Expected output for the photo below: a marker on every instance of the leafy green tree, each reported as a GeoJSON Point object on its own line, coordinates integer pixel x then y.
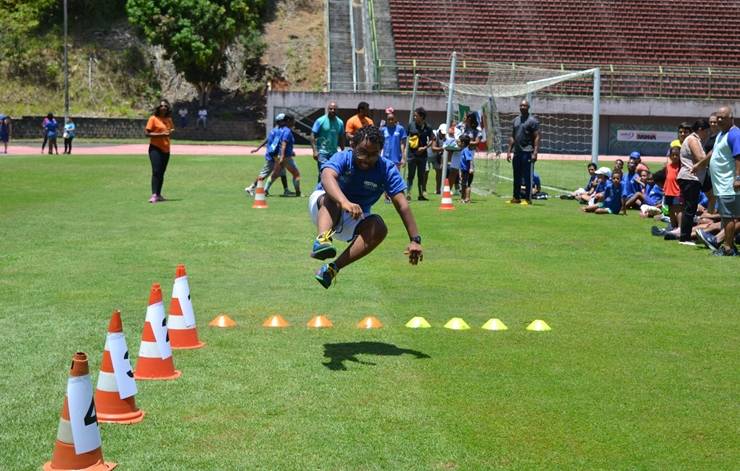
{"type": "Point", "coordinates": [195, 34]}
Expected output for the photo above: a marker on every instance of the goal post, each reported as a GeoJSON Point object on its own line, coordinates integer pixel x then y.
{"type": "Point", "coordinates": [564, 136]}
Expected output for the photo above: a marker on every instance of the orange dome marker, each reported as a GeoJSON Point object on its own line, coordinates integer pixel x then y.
{"type": "Point", "coordinates": [181, 323]}
{"type": "Point", "coordinates": [65, 456]}
{"type": "Point", "coordinates": [445, 203]}
{"type": "Point", "coordinates": [155, 353]}
{"type": "Point", "coordinates": [275, 321]}
{"type": "Point", "coordinates": [116, 403]}
{"type": "Point", "coordinates": [370, 322]}
{"type": "Point", "coordinates": [222, 320]}
{"type": "Point", "coordinates": [260, 202]}
{"type": "Point", "coordinates": [320, 322]}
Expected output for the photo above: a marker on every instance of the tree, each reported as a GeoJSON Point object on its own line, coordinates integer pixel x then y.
{"type": "Point", "coordinates": [195, 34]}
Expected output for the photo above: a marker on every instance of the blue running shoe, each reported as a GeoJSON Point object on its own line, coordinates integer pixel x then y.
{"type": "Point", "coordinates": [326, 274]}
{"type": "Point", "coordinates": [322, 246]}
{"type": "Point", "coordinates": [709, 240]}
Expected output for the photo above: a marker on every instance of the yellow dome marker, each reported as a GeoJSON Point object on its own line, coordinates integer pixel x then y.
{"type": "Point", "coordinates": [418, 323]}
{"type": "Point", "coordinates": [538, 326]}
{"type": "Point", "coordinates": [456, 323]}
{"type": "Point", "coordinates": [494, 324]}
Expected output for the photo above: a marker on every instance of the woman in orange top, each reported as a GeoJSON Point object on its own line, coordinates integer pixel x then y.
{"type": "Point", "coordinates": [158, 130]}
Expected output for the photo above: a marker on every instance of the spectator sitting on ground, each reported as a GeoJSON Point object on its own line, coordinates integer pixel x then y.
{"type": "Point", "coordinates": [611, 199]}
{"type": "Point", "coordinates": [602, 178]}
{"type": "Point", "coordinates": [653, 195]}
{"type": "Point", "coordinates": [628, 180]}
{"type": "Point", "coordinates": [639, 188]}
{"type": "Point", "coordinates": [586, 188]}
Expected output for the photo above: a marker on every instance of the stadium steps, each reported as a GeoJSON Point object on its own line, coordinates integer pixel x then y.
{"type": "Point", "coordinates": [340, 55]}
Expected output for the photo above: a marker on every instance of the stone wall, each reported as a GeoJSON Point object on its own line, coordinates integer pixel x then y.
{"type": "Point", "coordinates": [218, 129]}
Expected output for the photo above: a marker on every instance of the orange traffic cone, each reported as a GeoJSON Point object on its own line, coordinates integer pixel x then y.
{"type": "Point", "coordinates": [275, 321]}
{"type": "Point", "coordinates": [181, 323]}
{"type": "Point", "coordinates": [155, 354]}
{"type": "Point", "coordinates": [222, 320]}
{"type": "Point", "coordinates": [259, 195]}
{"type": "Point", "coordinates": [445, 203]}
{"type": "Point", "coordinates": [78, 443]}
{"type": "Point", "coordinates": [370, 322]}
{"type": "Point", "coordinates": [320, 322]}
{"type": "Point", "coordinates": [114, 394]}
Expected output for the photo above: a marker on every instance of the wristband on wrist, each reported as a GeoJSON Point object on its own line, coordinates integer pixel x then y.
{"type": "Point", "coordinates": [416, 238]}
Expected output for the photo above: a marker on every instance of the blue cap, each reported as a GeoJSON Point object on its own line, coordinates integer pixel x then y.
{"type": "Point", "coordinates": [635, 155]}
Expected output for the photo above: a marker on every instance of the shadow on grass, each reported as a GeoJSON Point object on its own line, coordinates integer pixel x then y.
{"type": "Point", "coordinates": [338, 353]}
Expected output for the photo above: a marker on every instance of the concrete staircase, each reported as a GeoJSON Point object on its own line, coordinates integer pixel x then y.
{"type": "Point", "coordinates": [388, 78]}
{"type": "Point", "coordinates": [340, 49]}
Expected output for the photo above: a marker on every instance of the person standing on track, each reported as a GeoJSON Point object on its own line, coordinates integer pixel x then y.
{"type": "Point", "coordinates": [158, 129]}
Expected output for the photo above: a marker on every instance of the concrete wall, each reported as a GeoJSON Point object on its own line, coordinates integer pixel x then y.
{"type": "Point", "coordinates": [653, 115]}
{"type": "Point", "coordinates": [29, 127]}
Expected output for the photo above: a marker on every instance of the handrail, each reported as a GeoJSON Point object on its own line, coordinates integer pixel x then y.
{"type": "Point", "coordinates": [374, 43]}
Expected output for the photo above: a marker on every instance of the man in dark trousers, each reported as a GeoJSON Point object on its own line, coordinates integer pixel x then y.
{"type": "Point", "coordinates": [525, 143]}
{"type": "Point", "coordinates": [420, 139]}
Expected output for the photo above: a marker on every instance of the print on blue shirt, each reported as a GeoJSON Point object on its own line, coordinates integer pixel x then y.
{"type": "Point", "coordinates": [364, 187]}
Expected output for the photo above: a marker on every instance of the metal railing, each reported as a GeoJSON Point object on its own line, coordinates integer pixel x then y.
{"type": "Point", "coordinates": [618, 80]}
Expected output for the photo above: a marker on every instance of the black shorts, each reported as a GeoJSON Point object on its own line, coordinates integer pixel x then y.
{"type": "Point", "coordinates": [466, 179]}
{"type": "Point", "coordinates": [706, 186]}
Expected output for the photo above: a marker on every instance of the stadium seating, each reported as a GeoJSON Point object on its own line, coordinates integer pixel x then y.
{"type": "Point", "coordinates": [639, 39]}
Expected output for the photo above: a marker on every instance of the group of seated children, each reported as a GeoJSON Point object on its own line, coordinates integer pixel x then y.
{"type": "Point", "coordinates": [609, 191]}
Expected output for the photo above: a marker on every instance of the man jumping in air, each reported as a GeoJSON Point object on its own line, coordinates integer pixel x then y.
{"type": "Point", "coordinates": [351, 182]}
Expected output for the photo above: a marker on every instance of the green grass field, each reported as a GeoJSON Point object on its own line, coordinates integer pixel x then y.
{"type": "Point", "coordinates": [638, 372]}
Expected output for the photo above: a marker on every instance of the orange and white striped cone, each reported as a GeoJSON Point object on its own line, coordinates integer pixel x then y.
{"type": "Point", "coordinates": [181, 323]}
{"type": "Point", "coordinates": [155, 353]}
{"type": "Point", "coordinates": [446, 203]}
{"type": "Point", "coordinates": [116, 390]}
{"type": "Point", "coordinates": [260, 202]}
{"type": "Point", "coordinates": [78, 445]}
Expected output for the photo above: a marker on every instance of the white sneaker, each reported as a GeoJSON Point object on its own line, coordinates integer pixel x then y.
{"type": "Point", "coordinates": [249, 190]}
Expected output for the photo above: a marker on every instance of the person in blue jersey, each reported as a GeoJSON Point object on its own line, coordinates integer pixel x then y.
{"type": "Point", "coordinates": [612, 201]}
{"type": "Point", "coordinates": [5, 131]}
{"type": "Point", "coordinates": [628, 180]}
{"type": "Point", "coordinates": [271, 142]}
{"type": "Point", "coordinates": [394, 141]}
{"type": "Point", "coordinates": [351, 182]}
{"type": "Point", "coordinates": [653, 195]}
{"type": "Point", "coordinates": [327, 134]}
{"type": "Point", "coordinates": [467, 169]}
{"type": "Point", "coordinates": [639, 190]}
{"type": "Point", "coordinates": [70, 130]}
{"type": "Point", "coordinates": [285, 154]}
{"type": "Point", "coordinates": [52, 129]}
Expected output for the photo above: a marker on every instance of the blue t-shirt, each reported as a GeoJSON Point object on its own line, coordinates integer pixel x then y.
{"type": "Point", "coordinates": [69, 128]}
{"type": "Point", "coordinates": [51, 128]}
{"type": "Point", "coordinates": [654, 195]}
{"type": "Point", "coordinates": [628, 185]}
{"type": "Point", "coordinates": [591, 182]}
{"type": "Point", "coordinates": [273, 144]}
{"type": "Point", "coordinates": [601, 186]}
{"type": "Point", "coordinates": [327, 132]}
{"type": "Point", "coordinates": [466, 159]}
{"type": "Point", "coordinates": [722, 166]}
{"type": "Point", "coordinates": [286, 135]}
{"type": "Point", "coordinates": [364, 187]}
{"type": "Point", "coordinates": [703, 199]}
{"type": "Point", "coordinates": [392, 145]}
{"type": "Point", "coordinates": [613, 197]}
